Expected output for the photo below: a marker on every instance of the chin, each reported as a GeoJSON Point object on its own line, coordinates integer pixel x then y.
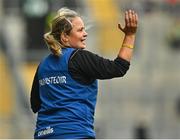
{"type": "Point", "coordinates": [82, 46]}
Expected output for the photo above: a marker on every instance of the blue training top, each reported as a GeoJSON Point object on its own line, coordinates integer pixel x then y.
{"type": "Point", "coordinates": [67, 108]}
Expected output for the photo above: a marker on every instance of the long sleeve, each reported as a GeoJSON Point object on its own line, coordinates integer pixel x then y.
{"type": "Point", "coordinates": [34, 97]}
{"type": "Point", "coordinates": [86, 66]}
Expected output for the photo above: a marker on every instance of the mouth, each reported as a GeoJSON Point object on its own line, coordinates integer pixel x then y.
{"type": "Point", "coordinates": [83, 41]}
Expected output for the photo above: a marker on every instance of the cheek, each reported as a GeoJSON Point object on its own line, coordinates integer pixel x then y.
{"type": "Point", "coordinates": [74, 40]}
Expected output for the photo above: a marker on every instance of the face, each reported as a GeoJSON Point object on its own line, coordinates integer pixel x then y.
{"type": "Point", "coordinates": [77, 36]}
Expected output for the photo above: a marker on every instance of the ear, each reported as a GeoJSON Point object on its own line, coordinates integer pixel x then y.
{"type": "Point", "coordinates": [64, 38]}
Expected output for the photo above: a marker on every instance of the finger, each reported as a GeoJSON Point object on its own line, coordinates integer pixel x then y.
{"type": "Point", "coordinates": [133, 19]}
{"type": "Point", "coordinates": [136, 19]}
{"type": "Point", "coordinates": [127, 22]}
{"type": "Point", "coordinates": [130, 14]}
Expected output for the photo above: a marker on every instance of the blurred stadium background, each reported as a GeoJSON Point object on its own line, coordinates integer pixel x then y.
{"type": "Point", "coordinates": [143, 104]}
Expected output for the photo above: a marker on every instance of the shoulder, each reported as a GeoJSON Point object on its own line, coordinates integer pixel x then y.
{"type": "Point", "coordinates": [79, 66]}
{"type": "Point", "coordinates": [44, 59]}
{"type": "Point", "coordinates": [82, 55]}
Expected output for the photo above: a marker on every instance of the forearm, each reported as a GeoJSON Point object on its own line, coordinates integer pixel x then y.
{"type": "Point", "coordinates": [131, 21]}
{"type": "Point", "coordinates": [126, 52]}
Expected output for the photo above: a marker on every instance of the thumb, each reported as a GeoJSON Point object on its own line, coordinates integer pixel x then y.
{"type": "Point", "coordinates": [119, 26]}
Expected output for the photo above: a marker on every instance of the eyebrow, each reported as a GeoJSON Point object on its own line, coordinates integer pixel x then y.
{"type": "Point", "coordinates": [80, 27]}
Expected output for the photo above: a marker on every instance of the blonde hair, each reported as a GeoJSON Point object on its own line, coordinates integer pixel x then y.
{"type": "Point", "coordinates": [61, 23]}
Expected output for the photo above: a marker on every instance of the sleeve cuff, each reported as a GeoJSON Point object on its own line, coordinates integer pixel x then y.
{"type": "Point", "coordinates": [122, 61]}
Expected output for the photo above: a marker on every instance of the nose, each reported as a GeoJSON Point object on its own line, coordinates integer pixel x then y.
{"type": "Point", "coordinates": [85, 34]}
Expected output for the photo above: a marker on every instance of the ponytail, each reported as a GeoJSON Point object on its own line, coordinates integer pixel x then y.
{"type": "Point", "coordinates": [53, 44]}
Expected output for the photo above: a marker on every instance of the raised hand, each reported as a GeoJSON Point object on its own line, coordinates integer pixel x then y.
{"type": "Point", "coordinates": [131, 23]}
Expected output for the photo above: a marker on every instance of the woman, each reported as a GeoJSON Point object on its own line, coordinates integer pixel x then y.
{"type": "Point", "coordinates": [64, 89]}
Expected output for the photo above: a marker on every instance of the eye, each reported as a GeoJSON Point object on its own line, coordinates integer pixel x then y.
{"type": "Point", "coordinates": [81, 29]}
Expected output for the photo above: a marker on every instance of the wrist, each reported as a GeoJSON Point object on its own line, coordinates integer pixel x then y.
{"type": "Point", "coordinates": [129, 39]}
{"type": "Point", "coordinates": [131, 36]}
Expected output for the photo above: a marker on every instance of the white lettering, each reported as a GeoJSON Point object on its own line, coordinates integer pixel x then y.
{"type": "Point", "coordinates": [47, 130]}
{"type": "Point", "coordinates": [52, 80]}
